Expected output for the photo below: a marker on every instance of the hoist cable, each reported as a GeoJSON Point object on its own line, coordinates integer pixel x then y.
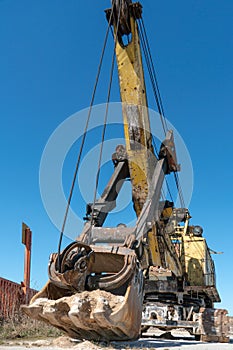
{"type": "Point", "coordinates": [154, 84]}
{"type": "Point", "coordinates": [84, 136]}
{"type": "Point", "coordinates": [102, 141]}
{"type": "Point", "coordinates": [180, 192]}
{"type": "Point", "coordinates": [157, 95]}
{"type": "Point", "coordinates": [150, 71]}
{"type": "Point", "coordinates": [152, 77]}
{"type": "Point", "coordinates": [169, 191]}
{"type": "Point", "coordinates": [106, 116]}
{"type": "Point", "coordinates": [154, 73]}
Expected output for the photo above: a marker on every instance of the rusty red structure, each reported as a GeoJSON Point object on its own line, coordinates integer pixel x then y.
{"type": "Point", "coordinates": [13, 294]}
{"type": "Point", "coordinates": [11, 297]}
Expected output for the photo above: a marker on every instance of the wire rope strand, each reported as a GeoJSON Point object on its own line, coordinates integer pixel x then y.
{"type": "Point", "coordinates": [154, 81]}
{"type": "Point", "coordinates": [105, 117]}
{"type": "Point", "coordinates": [180, 192]}
{"type": "Point", "coordinates": [169, 190]}
{"type": "Point", "coordinates": [154, 73]}
{"type": "Point", "coordinates": [150, 71]}
{"type": "Point", "coordinates": [84, 136]}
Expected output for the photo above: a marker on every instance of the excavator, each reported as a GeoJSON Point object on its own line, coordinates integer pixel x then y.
{"type": "Point", "coordinates": [113, 283]}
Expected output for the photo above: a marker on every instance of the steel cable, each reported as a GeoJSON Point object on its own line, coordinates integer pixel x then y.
{"type": "Point", "coordinates": [84, 136]}
{"type": "Point", "coordinates": [106, 116]}
{"type": "Point", "coordinates": [152, 73]}
{"type": "Point", "coordinates": [179, 188]}
{"type": "Point", "coordinates": [157, 95]}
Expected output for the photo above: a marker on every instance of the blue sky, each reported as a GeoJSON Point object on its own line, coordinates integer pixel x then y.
{"type": "Point", "coordinates": [49, 56]}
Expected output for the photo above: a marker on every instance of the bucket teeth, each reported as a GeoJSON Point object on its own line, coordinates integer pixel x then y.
{"type": "Point", "coordinates": [86, 315]}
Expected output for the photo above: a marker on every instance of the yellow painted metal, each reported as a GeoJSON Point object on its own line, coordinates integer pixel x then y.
{"type": "Point", "coordinates": [197, 263]}
{"type": "Point", "coordinates": [171, 257]}
{"type": "Point", "coordinates": [194, 259]}
{"type": "Point", "coordinates": [140, 153]}
{"type": "Point", "coordinates": [135, 116]}
{"type": "Point", "coordinates": [167, 212]}
{"type": "Point", "coordinates": [154, 248]}
{"type": "Point", "coordinates": [171, 262]}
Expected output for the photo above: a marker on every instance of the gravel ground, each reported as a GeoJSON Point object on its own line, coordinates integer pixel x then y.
{"type": "Point", "coordinates": [143, 343]}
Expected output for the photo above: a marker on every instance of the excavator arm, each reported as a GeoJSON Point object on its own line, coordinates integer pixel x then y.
{"type": "Point", "coordinates": [138, 139]}
{"type": "Point", "coordinates": [146, 171]}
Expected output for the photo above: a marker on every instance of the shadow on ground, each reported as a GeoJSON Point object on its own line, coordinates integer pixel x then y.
{"type": "Point", "coordinates": [152, 343]}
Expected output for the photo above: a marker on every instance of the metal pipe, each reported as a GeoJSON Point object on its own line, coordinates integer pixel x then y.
{"type": "Point", "coordinates": [27, 241]}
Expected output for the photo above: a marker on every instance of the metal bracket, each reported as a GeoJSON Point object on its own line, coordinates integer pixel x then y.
{"type": "Point", "coordinates": [168, 151]}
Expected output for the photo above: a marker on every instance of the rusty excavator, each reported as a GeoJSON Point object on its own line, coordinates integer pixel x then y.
{"type": "Point", "coordinates": [113, 283]}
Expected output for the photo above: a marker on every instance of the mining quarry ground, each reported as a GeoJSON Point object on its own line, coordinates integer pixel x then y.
{"type": "Point", "coordinates": [150, 342]}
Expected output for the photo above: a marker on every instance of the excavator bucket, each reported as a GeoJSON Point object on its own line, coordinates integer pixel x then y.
{"type": "Point", "coordinates": [96, 295]}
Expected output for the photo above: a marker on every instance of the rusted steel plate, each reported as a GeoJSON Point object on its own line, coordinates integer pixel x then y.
{"type": "Point", "coordinates": [11, 297]}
